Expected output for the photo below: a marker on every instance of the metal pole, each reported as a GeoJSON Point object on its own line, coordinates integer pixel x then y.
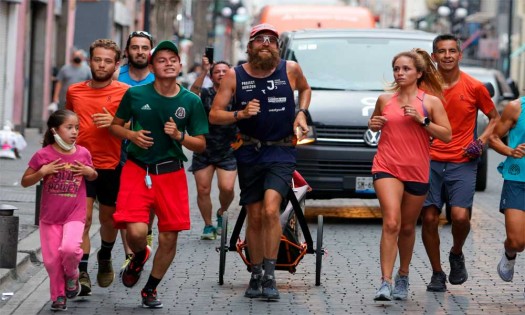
{"type": "Point", "coordinates": [147, 10]}
{"type": "Point", "coordinates": [509, 40]}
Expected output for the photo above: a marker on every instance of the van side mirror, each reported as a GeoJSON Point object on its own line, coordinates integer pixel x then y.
{"type": "Point", "coordinates": [490, 88]}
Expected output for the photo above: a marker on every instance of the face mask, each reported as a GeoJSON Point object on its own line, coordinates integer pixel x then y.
{"type": "Point", "coordinates": [61, 143]}
{"type": "Point", "coordinates": [77, 60]}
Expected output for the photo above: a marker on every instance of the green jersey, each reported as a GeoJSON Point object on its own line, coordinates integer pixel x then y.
{"type": "Point", "coordinates": [150, 111]}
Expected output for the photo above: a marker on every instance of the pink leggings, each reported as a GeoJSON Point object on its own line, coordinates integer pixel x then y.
{"type": "Point", "coordinates": [61, 253]}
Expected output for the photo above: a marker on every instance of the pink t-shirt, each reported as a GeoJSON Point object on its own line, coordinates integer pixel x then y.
{"type": "Point", "coordinates": [63, 194]}
{"type": "Point", "coordinates": [404, 146]}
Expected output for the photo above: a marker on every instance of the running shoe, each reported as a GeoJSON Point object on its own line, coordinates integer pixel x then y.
{"type": "Point", "coordinates": [72, 287]}
{"type": "Point", "coordinates": [269, 288]}
{"type": "Point", "coordinates": [209, 233]}
{"type": "Point", "coordinates": [149, 299]}
{"type": "Point", "coordinates": [384, 293]}
{"type": "Point", "coordinates": [105, 275]}
{"type": "Point", "coordinates": [130, 275]}
{"type": "Point", "coordinates": [219, 223]}
{"type": "Point", "coordinates": [85, 284]}
{"type": "Point", "coordinates": [401, 285]}
{"type": "Point", "coordinates": [254, 289]}
{"type": "Point", "coordinates": [438, 282]}
{"type": "Point", "coordinates": [506, 268]}
{"type": "Point", "coordinates": [458, 272]}
{"type": "Point", "coordinates": [59, 304]}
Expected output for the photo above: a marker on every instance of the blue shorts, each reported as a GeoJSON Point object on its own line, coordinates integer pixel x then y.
{"type": "Point", "coordinates": [454, 183]}
{"type": "Point", "coordinates": [254, 180]}
{"type": "Point", "coordinates": [512, 196]}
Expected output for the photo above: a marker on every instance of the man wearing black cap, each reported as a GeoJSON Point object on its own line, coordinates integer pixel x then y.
{"type": "Point", "coordinates": [265, 112]}
{"type": "Point", "coordinates": [166, 116]}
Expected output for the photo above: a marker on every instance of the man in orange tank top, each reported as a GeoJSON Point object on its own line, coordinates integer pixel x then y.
{"type": "Point", "coordinates": [453, 172]}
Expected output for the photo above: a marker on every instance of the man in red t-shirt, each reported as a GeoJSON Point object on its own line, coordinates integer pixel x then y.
{"type": "Point", "coordinates": [453, 172]}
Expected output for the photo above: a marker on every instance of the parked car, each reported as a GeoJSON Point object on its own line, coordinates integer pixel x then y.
{"type": "Point", "coordinates": [347, 70]}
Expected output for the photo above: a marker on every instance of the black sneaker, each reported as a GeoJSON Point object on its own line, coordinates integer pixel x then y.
{"type": "Point", "coordinates": [438, 282]}
{"type": "Point", "coordinates": [254, 289]}
{"type": "Point", "coordinates": [59, 304]}
{"type": "Point", "coordinates": [130, 275]}
{"type": "Point", "coordinates": [85, 284]}
{"type": "Point", "coordinates": [269, 288]}
{"type": "Point", "coordinates": [149, 299]}
{"type": "Point", "coordinates": [458, 272]}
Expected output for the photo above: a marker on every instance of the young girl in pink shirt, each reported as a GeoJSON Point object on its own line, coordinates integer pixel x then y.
{"type": "Point", "coordinates": [62, 165]}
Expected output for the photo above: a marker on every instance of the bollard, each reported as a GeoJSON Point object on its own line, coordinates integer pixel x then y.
{"type": "Point", "coordinates": [8, 236]}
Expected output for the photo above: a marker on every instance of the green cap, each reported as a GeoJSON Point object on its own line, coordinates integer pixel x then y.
{"type": "Point", "coordinates": [164, 45]}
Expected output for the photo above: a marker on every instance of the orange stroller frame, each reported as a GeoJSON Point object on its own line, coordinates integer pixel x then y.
{"type": "Point", "coordinates": [290, 252]}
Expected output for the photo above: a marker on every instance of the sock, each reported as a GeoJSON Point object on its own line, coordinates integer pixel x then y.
{"type": "Point", "coordinates": [105, 250]}
{"type": "Point", "coordinates": [269, 267]}
{"type": "Point", "coordinates": [83, 265]}
{"type": "Point", "coordinates": [152, 283]}
{"type": "Point", "coordinates": [140, 256]}
{"type": "Point", "coordinates": [510, 258]}
{"type": "Point", "coordinates": [257, 269]}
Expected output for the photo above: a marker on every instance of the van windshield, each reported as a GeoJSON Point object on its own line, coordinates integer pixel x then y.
{"type": "Point", "coordinates": [358, 64]}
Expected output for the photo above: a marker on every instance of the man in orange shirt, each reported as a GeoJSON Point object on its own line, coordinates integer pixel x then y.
{"type": "Point", "coordinates": [95, 102]}
{"type": "Point", "coordinates": [452, 169]}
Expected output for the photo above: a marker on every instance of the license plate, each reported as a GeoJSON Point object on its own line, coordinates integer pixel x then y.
{"type": "Point", "coordinates": [364, 185]}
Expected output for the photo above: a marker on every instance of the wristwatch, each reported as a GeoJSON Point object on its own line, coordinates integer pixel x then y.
{"type": "Point", "coordinates": [426, 122]}
{"type": "Point", "coordinates": [182, 135]}
{"type": "Point", "coordinates": [305, 111]}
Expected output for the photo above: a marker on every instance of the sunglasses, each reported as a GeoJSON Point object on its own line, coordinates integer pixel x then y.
{"type": "Point", "coordinates": [140, 34]}
{"type": "Point", "coordinates": [265, 39]}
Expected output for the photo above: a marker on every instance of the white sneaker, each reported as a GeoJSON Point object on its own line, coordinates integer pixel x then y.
{"type": "Point", "coordinates": [506, 268]}
{"type": "Point", "coordinates": [384, 293]}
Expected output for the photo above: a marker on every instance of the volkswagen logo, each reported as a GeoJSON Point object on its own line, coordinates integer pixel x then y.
{"type": "Point", "coordinates": [371, 137]}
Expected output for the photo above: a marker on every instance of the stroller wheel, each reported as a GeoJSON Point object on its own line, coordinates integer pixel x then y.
{"type": "Point", "coordinates": [319, 250]}
{"type": "Point", "coordinates": [224, 248]}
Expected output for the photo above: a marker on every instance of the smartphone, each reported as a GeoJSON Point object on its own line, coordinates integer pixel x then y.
{"type": "Point", "coordinates": [209, 54]}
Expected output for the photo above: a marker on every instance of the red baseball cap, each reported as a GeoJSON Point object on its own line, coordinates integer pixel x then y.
{"type": "Point", "coordinates": [262, 28]}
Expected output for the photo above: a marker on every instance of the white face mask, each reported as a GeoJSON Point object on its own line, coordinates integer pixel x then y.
{"type": "Point", "coordinates": [61, 143]}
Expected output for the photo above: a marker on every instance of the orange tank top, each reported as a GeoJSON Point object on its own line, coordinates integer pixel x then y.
{"type": "Point", "coordinates": [404, 146]}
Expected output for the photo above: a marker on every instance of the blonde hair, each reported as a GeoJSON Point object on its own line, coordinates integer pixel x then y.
{"type": "Point", "coordinates": [430, 80]}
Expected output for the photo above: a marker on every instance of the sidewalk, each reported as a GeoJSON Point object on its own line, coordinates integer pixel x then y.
{"type": "Point", "coordinates": [12, 193]}
{"type": "Point", "coordinates": [349, 278]}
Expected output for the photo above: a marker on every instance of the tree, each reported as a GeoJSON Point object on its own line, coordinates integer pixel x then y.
{"type": "Point", "coordinates": [164, 14]}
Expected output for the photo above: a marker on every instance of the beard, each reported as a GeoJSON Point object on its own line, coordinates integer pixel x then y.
{"type": "Point", "coordinates": [264, 62]}
{"type": "Point", "coordinates": [101, 78]}
{"type": "Point", "coordinates": [138, 65]}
